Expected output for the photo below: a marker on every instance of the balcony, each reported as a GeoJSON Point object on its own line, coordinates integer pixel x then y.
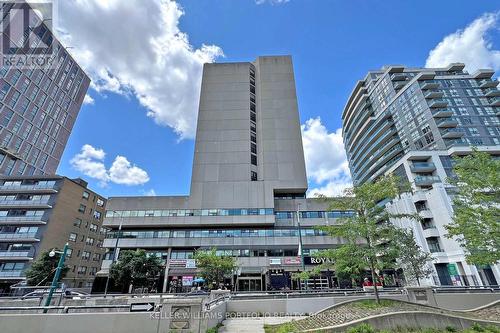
{"type": "Point", "coordinates": [452, 133]}
{"type": "Point", "coordinates": [429, 85]}
{"type": "Point", "coordinates": [433, 94]}
{"type": "Point", "coordinates": [398, 77]}
{"type": "Point", "coordinates": [422, 167]}
{"type": "Point", "coordinates": [441, 113]}
{"type": "Point", "coordinates": [447, 122]}
{"type": "Point", "coordinates": [494, 101]}
{"type": "Point", "coordinates": [27, 237]}
{"type": "Point", "coordinates": [488, 83]}
{"type": "Point", "coordinates": [26, 203]}
{"type": "Point", "coordinates": [45, 187]}
{"type": "Point", "coordinates": [438, 103]}
{"type": "Point", "coordinates": [426, 180]}
{"type": "Point", "coordinates": [491, 92]}
{"type": "Point", "coordinates": [16, 255]}
{"type": "Point", "coordinates": [27, 220]}
{"type": "Point", "coordinates": [431, 232]}
{"type": "Point", "coordinates": [11, 274]}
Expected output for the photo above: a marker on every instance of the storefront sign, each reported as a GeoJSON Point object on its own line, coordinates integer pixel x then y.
{"type": "Point", "coordinates": [190, 263]}
{"type": "Point", "coordinates": [275, 261]}
{"type": "Point", "coordinates": [187, 281]}
{"type": "Point", "coordinates": [292, 261]}
{"type": "Point", "coordinates": [317, 261]}
{"type": "Point", "coordinates": [183, 263]}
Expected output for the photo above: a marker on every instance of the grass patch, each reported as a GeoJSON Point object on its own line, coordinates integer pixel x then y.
{"type": "Point", "coordinates": [282, 328]}
{"type": "Point", "coordinates": [370, 304]}
{"type": "Point", "coordinates": [476, 328]}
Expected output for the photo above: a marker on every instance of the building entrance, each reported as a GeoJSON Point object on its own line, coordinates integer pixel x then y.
{"type": "Point", "coordinates": [249, 284]}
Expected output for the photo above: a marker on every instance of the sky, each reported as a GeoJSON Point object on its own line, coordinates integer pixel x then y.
{"type": "Point", "coordinates": [134, 134]}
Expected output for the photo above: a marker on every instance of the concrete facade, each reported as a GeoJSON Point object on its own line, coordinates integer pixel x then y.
{"type": "Point", "coordinates": [38, 214]}
{"type": "Point", "coordinates": [410, 122]}
{"type": "Point", "coordinates": [38, 108]}
{"type": "Point", "coordinates": [248, 181]}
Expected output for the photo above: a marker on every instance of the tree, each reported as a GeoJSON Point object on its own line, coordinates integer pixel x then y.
{"type": "Point", "coordinates": [214, 268]}
{"type": "Point", "coordinates": [370, 238]}
{"type": "Point", "coordinates": [42, 270]}
{"type": "Point", "coordinates": [476, 219]}
{"type": "Point", "coordinates": [136, 268]}
{"type": "Point", "coordinates": [413, 260]}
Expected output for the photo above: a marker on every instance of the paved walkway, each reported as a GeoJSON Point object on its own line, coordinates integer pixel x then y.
{"type": "Point", "coordinates": [252, 325]}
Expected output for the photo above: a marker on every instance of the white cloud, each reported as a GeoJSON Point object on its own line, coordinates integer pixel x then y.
{"type": "Point", "coordinates": [470, 46]}
{"type": "Point", "coordinates": [325, 156]}
{"type": "Point", "coordinates": [123, 172]}
{"type": "Point", "coordinates": [90, 162]}
{"type": "Point", "coordinates": [88, 100]}
{"type": "Point", "coordinates": [135, 48]}
{"type": "Point", "coordinates": [272, 2]}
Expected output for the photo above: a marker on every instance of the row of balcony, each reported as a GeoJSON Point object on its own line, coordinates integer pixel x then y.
{"type": "Point", "coordinates": [26, 203]}
{"type": "Point", "coordinates": [488, 83]}
{"type": "Point", "coordinates": [17, 255]}
{"type": "Point", "coordinates": [26, 236]}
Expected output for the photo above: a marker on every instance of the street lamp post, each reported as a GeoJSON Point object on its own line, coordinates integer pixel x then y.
{"type": "Point", "coordinates": [55, 280]}
{"type": "Point", "coordinates": [114, 254]}
{"type": "Point", "coordinates": [301, 250]}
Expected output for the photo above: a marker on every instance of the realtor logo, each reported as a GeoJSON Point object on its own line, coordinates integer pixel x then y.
{"type": "Point", "coordinates": [26, 28]}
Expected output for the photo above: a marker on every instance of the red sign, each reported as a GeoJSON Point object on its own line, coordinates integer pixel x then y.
{"type": "Point", "coordinates": [292, 261]}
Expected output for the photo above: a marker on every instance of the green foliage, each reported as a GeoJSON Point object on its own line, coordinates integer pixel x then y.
{"type": "Point", "coordinates": [42, 271]}
{"type": "Point", "coordinates": [282, 328]}
{"type": "Point", "coordinates": [214, 329]}
{"type": "Point", "coordinates": [476, 221]}
{"type": "Point", "coordinates": [369, 304]}
{"type": "Point", "coordinates": [361, 328]}
{"type": "Point", "coordinates": [450, 329]}
{"type": "Point", "coordinates": [214, 268]}
{"type": "Point", "coordinates": [413, 260]}
{"type": "Point", "coordinates": [371, 240]}
{"type": "Point", "coordinates": [137, 268]}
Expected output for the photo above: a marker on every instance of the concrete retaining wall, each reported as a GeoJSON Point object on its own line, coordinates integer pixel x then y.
{"type": "Point", "coordinates": [300, 306]}
{"type": "Point", "coordinates": [412, 320]}
{"type": "Point", "coordinates": [291, 306]}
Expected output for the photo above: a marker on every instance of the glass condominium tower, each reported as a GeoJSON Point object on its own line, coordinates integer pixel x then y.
{"type": "Point", "coordinates": [38, 108]}
{"type": "Point", "coordinates": [410, 122]}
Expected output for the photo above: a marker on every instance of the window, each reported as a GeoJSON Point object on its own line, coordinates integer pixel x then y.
{"type": "Point", "coordinates": [253, 138]}
{"type": "Point", "coordinates": [253, 159]}
{"type": "Point", "coordinates": [86, 255]}
{"type": "Point", "coordinates": [97, 257]}
{"type": "Point", "coordinates": [82, 208]}
{"type": "Point", "coordinates": [77, 223]}
{"type": "Point", "coordinates": [100, 202]}
{"type": "Point", "coordinates": [72, 237]}
{"type": "Point", "coordinates": [253, 175]}
{"type": "Point", "coordinates": [69, 253]}
{"type": "Point", "coordinates": [82, 270]}
{"type": "Point", "coordinates": [253, 148]}
{"type": "Point", "coordinates": [97, 215]}
{"type": "Point", "coordinates": [94, 227]}
{"type": "Point", "coordinates": [90, 241]}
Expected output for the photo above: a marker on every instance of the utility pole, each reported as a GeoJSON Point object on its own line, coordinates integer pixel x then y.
{"type": "Point", "coordinates": [301, 250]}
{"type": "Point", "coordinates": [55, 280]}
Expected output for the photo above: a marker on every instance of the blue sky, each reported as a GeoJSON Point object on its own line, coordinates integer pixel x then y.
{"type": "Point", "coordinates": [142, 105]}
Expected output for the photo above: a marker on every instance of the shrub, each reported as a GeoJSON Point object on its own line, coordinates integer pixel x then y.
{"type": "Point", "coordinates": [363, 328]}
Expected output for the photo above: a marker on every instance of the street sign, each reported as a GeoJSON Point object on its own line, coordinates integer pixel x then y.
{"type": "Point", "coordinates": [142, 307]}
